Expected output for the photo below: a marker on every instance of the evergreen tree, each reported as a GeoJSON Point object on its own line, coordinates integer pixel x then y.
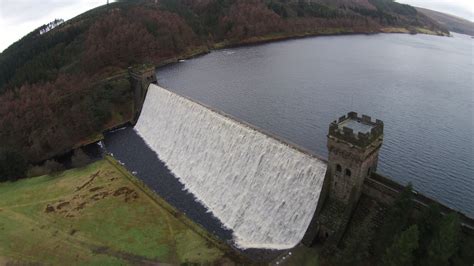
{"type": "Point", "coordinates": [446, 242]}
{"type": "Point", "coordinates": [396, 221]}
{"type": "Point", "coordinates": [464, 256]}
{"type": "Point", "coordinates": [402, 249]}
{"type": "Point", "coordinates": [428, 224]}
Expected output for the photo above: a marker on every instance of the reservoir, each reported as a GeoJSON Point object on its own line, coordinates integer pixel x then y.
{"type": "Point", "coordinates": [421, 87]}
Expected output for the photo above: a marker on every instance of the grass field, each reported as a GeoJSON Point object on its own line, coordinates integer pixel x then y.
{"type": "Point", "coordinates": [97, 215]}
{"type": "Point", "coordinates": [299, 255]}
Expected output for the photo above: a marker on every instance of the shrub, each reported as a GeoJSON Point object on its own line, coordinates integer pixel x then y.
{"type": "Point", "coordinates": [79, 159]}
{"type": "Point", "coordinates": [445, 243]}
{"type": "Point", "coordinates": [400, 253]}
{"type": "Point", "coordinates": [37, 170]}
{"type": "Point", "coordinates": [53, 166]}
{"type": "Point", "coordinates": [50, 167]}
{"type": "Point", "coordinates": [12, 166]}
{"type": "Point", "coordinates": [396, 221]}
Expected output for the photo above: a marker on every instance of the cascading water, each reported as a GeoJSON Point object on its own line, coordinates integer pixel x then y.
{"type": "Point", "coordinates": [263, 189]}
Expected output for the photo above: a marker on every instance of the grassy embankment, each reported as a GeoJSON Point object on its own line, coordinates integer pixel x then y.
{"type": "Point", "coordinates": [98, 215]}
{"type": "Point", "coordinates": [417, 30]}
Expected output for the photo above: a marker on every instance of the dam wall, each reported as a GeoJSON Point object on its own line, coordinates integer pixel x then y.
{"type": "Point", "coordinates": [386, 191]}
{"type": "Point", "coordinates": [263, 189]}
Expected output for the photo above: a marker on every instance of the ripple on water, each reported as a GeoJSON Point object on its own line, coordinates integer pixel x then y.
{"type": "Point", "coordinates": [420, 86]}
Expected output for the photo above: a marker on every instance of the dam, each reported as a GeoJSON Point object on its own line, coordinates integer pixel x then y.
{"type": "Point", "coordinates": [260, 194]}
{"type": "Point", "coordinates": [261, 188]}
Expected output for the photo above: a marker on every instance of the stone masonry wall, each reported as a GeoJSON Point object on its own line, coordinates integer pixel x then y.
{"type": "Point", "coordinates": [386, 191]}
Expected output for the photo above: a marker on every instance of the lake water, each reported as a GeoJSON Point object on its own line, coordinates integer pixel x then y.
{"type": "Point", "coordinates": [420, 86]}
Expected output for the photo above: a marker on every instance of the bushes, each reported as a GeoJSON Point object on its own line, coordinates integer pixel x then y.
{"type": "Point", "coordinates": [402, 249]}
{"type": "Point", "coordinates": [464, 256]}
{"type": "Point", "coordinates": [396, 221]}
{"type": "Point", "coordinates": [37, 170]}
{"type": "Point", "coordinates": [79, 159]}
{"type": "Point", "coordinates": [445, 243]}
{"type": "Point", "coordinates": [431, 239]}
{"type": "Point", "coordinates": [12, 165]}
{"type": "Point", "coordinates": [50, 167]}
{"type": "Point", "coordinates": [43, 120]}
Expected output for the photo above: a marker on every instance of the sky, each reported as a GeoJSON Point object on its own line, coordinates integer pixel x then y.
{"type": "Point", "coordinates": [460, 8]}
{"type": "Point", "coordinates": [20, 17]}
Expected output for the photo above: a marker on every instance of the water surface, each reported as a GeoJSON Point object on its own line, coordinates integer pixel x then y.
{"type": "Point", "coordinates": [420, 86]}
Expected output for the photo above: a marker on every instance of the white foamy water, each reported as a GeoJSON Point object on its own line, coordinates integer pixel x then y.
{"type": "Point", "coordinates": [261, 188]}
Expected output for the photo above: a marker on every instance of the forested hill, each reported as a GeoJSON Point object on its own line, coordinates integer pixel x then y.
{"type": "Point", "coordinates": [141, 30]}
{"type": "Point", "coordinates": [54, 91]}
{"type": "Point", "coordinates": [450, 22]}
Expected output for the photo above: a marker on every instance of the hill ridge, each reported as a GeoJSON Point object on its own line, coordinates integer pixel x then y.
{"type": "Point", "coordinates": [450, 22]}
{"type": "Point", "coordinates": [50, 97]}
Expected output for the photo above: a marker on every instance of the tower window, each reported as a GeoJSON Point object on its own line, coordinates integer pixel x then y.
{"type": "Point", "coordinates": [348, 172]}
{"type": "Point", "coordinates": [338, 168]}
{"type": "Point", "coordinates": [369, 171]}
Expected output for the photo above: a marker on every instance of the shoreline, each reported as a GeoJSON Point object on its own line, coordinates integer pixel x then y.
{"type": "Point", "coordinates": [203, 50]}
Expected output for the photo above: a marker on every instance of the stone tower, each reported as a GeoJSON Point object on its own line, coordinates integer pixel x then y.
{"type": "Point", "coordinates": [140, 77]}
{"type": "Point", "coordinates": [353, 144]}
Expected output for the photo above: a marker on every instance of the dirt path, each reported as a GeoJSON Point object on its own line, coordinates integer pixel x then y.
{"type": "Point", "coordinates": [31, 203]}
{"type": "Point", "coordinates": [88, 182]}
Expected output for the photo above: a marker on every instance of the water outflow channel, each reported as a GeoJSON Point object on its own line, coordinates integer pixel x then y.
{"type": "Point", "coordinates": [239, 183]}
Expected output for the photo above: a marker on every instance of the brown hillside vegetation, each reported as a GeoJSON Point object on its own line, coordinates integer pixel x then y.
{"type": "Point", "coordinates": [450, 22]}
{"type": "Point", "coordinates": [54, 87]}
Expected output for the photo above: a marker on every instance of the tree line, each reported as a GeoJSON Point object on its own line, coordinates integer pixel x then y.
{"type": "Point", "coordinates": [406, 238]}
{"type": "Point", "coordinates": [51, 90]}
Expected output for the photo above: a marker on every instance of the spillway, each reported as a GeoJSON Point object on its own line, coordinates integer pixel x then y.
{"type": "Point", "coordinates": [264, 190]}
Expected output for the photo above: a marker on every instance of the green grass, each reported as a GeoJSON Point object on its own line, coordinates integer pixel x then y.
{"type": "Point", "coordinates": [97, 215]}
{"type": "Point", "coordinates": [301, 255]}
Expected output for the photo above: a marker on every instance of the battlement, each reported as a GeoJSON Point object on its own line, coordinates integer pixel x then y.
{"type": "Point", "coordinates": [359, 131]}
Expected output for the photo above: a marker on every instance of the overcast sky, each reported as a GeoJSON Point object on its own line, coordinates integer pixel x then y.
{"type": "Point", "coordinates": [19, 17]}
{"type": "Point", "coordinates": [460, 8]}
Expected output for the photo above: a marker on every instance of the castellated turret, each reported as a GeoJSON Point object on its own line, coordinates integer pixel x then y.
{"type": "Point", "coordinates": [353, 145]}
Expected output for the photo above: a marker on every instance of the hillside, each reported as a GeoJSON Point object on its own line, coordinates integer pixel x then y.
{"type": "Point", "coordinates": [97, 215]}
{"type": "Point", "coordinates": [452, 23]}
{"type": "Point", "coordinates": [54, 85]}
